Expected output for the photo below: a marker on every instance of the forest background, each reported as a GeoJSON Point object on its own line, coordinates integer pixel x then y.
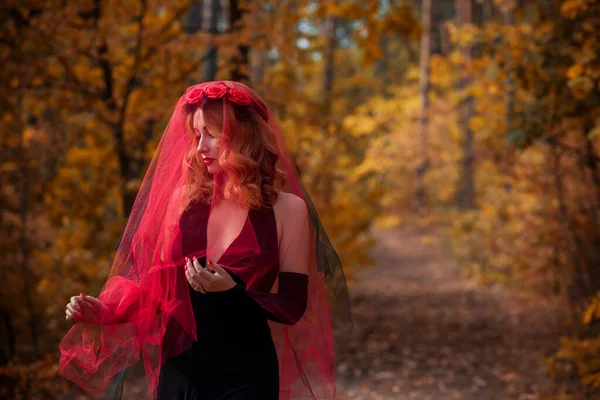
{"type": "Point", "coordinates": [479, 116]}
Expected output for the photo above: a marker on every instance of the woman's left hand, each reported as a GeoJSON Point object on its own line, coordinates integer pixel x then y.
{"type": "Point", "coordinates": [204, 281]}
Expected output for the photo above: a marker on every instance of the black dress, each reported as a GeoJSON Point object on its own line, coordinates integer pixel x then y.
{"type": "Point", "coordinates": [234, 357]}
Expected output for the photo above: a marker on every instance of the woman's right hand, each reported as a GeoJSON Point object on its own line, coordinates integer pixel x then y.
{"type": "Point", "coordinates": [84, 308]}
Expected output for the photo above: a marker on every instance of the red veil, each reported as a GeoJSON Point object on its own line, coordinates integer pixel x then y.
{"type": "Point", "coordinates": [148, 314]}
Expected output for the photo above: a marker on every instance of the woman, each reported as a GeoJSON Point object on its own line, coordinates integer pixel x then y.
{"type": "Point", "coordinates": [221, 187]}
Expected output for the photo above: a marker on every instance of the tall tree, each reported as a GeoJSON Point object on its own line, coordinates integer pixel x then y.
{"type": "Point", "coordinates": [259, 52]}
{"type": "Point", "coordinates": [23, 178]}
{"type": "Point", "coordinates": [331, 23]}
{"type": "Point", "coordinates": [120, 64]}
{"type": "Point", "coordinates": [421, 196]}
{"type": "Point", "coordinates": [441, 13]}
{"type": "Point", "coordinates": [330, 27]}
{"type": "Point", "coordinates": [83, 85]}
{"type": "Point", "coordinates": [508, 19]}
{"type": "Point", "coordinates": [239, 60]}
{"type": "Point", "coordinates": [203, 15]}
{"type": "Point", "coordinates": [465, 194]}
{"type": "Point", "coordinates": [210, 19]}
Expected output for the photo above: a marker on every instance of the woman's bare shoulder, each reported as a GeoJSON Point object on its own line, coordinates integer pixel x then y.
{"type": "Point", "coordinates": [289, 203]}
{"type": "Point", "coordinates": [290, 212]}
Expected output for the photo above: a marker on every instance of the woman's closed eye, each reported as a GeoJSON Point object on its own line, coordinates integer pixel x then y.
{"type": "Point", "coordinates": [198, 134]}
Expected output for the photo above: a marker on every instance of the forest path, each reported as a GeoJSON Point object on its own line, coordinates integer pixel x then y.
{"type": "Point", "coordinates": [424, 332]}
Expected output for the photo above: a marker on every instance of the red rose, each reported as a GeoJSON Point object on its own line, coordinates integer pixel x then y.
{"type": "Point", "coordinates": [194, 96]}
{"type": "Point", "coordinates": [239, 97]}
{"type": "Point", "coordinates": [215, 91]}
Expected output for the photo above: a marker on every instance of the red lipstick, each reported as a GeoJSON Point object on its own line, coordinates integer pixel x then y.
{"type": "Point", "coordinates": [208, 161]}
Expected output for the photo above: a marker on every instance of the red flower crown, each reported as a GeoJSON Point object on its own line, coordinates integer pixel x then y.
{"type": "Point", "coordinates": [195, 95]}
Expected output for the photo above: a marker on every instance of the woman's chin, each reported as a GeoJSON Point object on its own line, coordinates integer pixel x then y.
{"type": "Point", "coordinates": [212, 169]}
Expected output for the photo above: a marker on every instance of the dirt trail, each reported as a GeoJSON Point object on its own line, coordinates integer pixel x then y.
{"type": "Point", "coordinates": [423, 332]}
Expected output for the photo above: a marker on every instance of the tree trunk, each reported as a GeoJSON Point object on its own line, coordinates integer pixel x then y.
{"type": "Point", "coordinates": [328, 63]}
{"type": "Point", "coordinates": [509, 87]}
{"type": "Point", "coordinates": [258, 66]}
{"type": "Point", "coordinates": [260, 59]}
{"type": "Point", "coordinates": [204, 15]}
{"type": "Point", "coordinates": [381, 65]}
{"type": "Point", "coordinates": [239, 61]}
{"type": "Point", "coordinates": [29, 276]}
{"type": "Point", "coordinates": [465, 196]}
{"type": "Point", "coordinates": [193, 17]}
{"type": "Point", "coordinates": [488, 10]}
{"type": "Point", "coordinates": [210, 20]}
{"type": "Point", "coordinates": [577, 280]}
{"type": "Point", "coordinates": [593, 254]}
{"type": "Point", "coordinates": [442, 12]}
{"type": "Point", "coordinates": [10, 338]}
{"type": "Point", "coordinates": [331, 24]}
{"type": "Point", "coordinates": [421, 195]}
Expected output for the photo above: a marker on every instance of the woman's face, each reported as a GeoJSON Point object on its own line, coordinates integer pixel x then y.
{"type": "Point", "coordinates": [208, 144]}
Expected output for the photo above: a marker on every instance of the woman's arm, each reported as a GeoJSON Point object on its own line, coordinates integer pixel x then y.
{"type": "Point", "coordinates": [286, 306]}
{"type": "Point", "coordinates": [289, 303]}
{"type": "Point", "coordinates": [119, 303]}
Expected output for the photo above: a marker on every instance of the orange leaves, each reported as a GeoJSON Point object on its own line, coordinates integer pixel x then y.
{"type": "Point", "coordinates": [581, 86]}
{"type": "Point", "coordinates": [575, 71]}
{"type": "Point", "coordinates": [582, 355]}
{"type": "Point", "coordinates": [584, 73]}
{"type": "Point", "coordinates": [592, 313]}
{"type": "Point", "coordinates": [372, 21]}
{"type": "Point", "coordinates": [351, 10]}
{"type": "Point", "coordinates": [571, 8]}
{"type": "Point", "coordinates": [39, 379]}
{"type": "Point", "coordinates": [463, 35]}
{"type": "Point", "coordinates": [402, 21]}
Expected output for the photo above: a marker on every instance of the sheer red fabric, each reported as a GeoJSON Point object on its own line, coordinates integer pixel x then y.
{"type": "Point", "coordinates": [147, 314]}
